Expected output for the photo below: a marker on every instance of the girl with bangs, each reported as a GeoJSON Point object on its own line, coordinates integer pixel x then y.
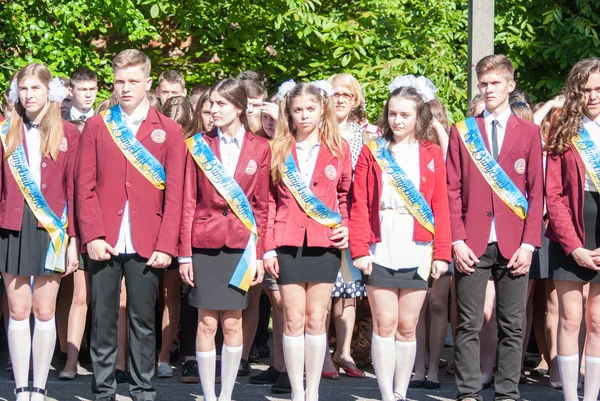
{"type": "Point", "coordinates": [572, 187]}
{"type": "Point", "coordinates": [308, 213]}
{"type": "Point", "coordinates": [38, 154]}
{"type": "Point", "coordinates": [398, 250]}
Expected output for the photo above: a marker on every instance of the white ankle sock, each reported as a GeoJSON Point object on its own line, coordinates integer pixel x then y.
{"type": "Point", "coordinates": [19, 344]}
{"type": "Point", "coordinates": [206, 369]}
{"type": "Point", "coordinates": [383, 354]}
{"type": "Point", "coordinates": [568, 366]}
{"type": "Point", "coordinates": [293, 353]}
{"type": "Point", "coordinates": [315, 348]}
{"type": "Point", "coordinates": [230, 363]}
{"type": "Point", "coordinates": [405, 360]}
{"type": "Point", "coordinates": [592, 378]}
{"type": "Point", "coordinates": [44, 340]}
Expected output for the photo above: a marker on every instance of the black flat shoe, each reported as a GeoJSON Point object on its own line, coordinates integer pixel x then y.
{"type": "Point", "coordinates": [269, 376]}
{"type": "Point", "coordinates": [416, 383]}
{"type": "Point", "coordinates": [282, 385]}
{"type": "Point", "coordinates": [431, 385]}
{"type": "Point", "coordinates": [244, 369]}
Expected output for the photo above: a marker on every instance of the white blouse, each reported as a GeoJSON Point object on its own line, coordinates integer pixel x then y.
{"type": "Point", "coordinates": [397, 250]}
{"type": "Point", "coordinates": [34, 154]}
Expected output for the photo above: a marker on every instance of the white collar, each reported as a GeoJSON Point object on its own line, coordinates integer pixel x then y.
{"type": "Point", "coordinates": [587, 120]}
{"type": "Point", "coordinates": [76, 114]}
{"type": "Point", "coordinates": [139, 114]}
{"type": "Point", "coordinates": [502, 118]}
{"type": "Point", "coordinates": [239, 136]}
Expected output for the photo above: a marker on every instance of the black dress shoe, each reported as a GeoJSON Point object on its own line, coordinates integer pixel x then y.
{"type": "Point", "coordinates": [416, 383]}
{"type": "Point", "coordinates": [282, 385]}
{"type": "Point", "coordinates": [431, 385]}
{"type": "Point", "coordinates": [269, 376]}
{"type": "Point", "coordinates": [121, 376]}
{"type": "Point", "coordinates": [244, 369]}
{"type": "Point", "coordinates": [189, 372]}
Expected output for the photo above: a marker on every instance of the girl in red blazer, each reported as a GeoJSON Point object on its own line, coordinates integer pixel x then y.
{"type": "Point", "coordinates": [574, 249]}
{"type": "Point", "coordinates": [307, 252]}
{"type": "Point", "coordinates": [50, 146]}
{"type": "Point", "coordinates": [388, 244]}
{"type": "Point", "coordinates": [213, 238]}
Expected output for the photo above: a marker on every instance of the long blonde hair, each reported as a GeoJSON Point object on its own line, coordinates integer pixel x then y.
{"type": "Point", "coordinates": [285, 132]}
{"type": "Point", "coordinates": [51, 128]}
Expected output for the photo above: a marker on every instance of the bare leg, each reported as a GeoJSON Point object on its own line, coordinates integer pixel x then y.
{"type": "Point", "coordinates": [65, 298]}
{"type": "Point", "coordinates": [277, 315]}
{"type": "Point", "coordinates": [328, 365]}
{"type": "Point", "coordinates": [552, 329]}
{"type": "Point", "coordinates": [171, 286]}
{"type": "Point", "coordinates": [250, 319]}
{"type": "Point", "coordinates": [539, 318]}
{"type": "Point", "coordinates": [77, 315]}
{"type": "Point", "coordinates": [438, 325]}
{"type": "Point", "coordinates": [422, 343]}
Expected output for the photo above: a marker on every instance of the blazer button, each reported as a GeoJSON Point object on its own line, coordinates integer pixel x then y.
{"type": "Point", "coordinates": [128, 184]}
{"type": "Point", "coordinates": [489, 214]}
{"type": "Point", "coordinates": [120, 212]}
{"type": "Point", "coordinates": [423, 179]}
{"type": "Point", "coordinates": [43, 165]}
{"type": "Point", "coordinates": [225, 213]}
{"type": "Point", "coordinates": [315, 184]}
{"type": "Point", "coordinates": [43, 186]}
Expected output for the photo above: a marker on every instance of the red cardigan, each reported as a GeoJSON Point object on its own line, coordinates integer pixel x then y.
{"type": "Point", "coordinates": [289, 224]}
{"type": "Point", "coordinates": [565, 186]}
{"type": "Point", "coordinates": [207, 220]}
{"type": "Point", "coordinates": [57, 184]}
{"type": "Point", "coordinates": [364, 224]}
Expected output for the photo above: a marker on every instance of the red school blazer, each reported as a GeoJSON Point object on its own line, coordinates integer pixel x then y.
{"type": "Point", "coordinates": [208, 222]}
{"type": "Point", "coordinates": [364, 226]}
{"type": "Point", "coordinates": [289, 223]}
{"type": "Point", "coordinates": [565, 186]}
{"type": "Point", "coordinates": [472, 202]}
{"type": "Point", "coordinates": [105, 180]}
{"type": "Point", "coordinates": [57, 184]}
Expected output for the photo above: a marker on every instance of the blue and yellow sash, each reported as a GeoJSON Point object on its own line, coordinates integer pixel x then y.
{"type": "Point", "coordinates": [497, 179]}
{"type": "Point", "coordinates": [237, 201]}
{"type": "Point", "coordinates": [410, 195]}
{"type": "Point", "coordinates": [133, 150]}
{"type": "Point", "coordinates": [312, 205]}
{"type": "Point", "coordinates": [57, 228]}
{"type": "Point", "coordinates": [590, 154]}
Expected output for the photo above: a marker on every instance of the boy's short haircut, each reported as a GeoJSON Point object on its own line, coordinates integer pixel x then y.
{"type": "Point", "coordinates": [196, 93]}
{"type": "Point", "coordinates": [497, 63]}
{"type": "Point", "coordinates": [250, 76]}
{"type": "Point", "coordinates": [254, 89]}
{"type": "Point", "coordinates": [83, 74]}
{"type": "Point", "coordinates": [172, 77]}
{"type": "Point", "coordinates": [132, 58]}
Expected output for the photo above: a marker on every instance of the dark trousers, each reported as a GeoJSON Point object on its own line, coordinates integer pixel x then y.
{"type": "Point", "coordinates": [511, 294]}
{"type": "Point", "coordinates": [142, 290]}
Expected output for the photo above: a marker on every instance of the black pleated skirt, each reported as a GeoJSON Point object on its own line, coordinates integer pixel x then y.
{"type": "Point", "coordinates": [388, 278]}
{"type": "Point", "coordinates": [213, 268]}
{"type": "Point", "coordinates": [563, 266]}
{"type": "Point", "coordinates": [23, 253]}
{"type": "Point", "coordinates": [305, 264]}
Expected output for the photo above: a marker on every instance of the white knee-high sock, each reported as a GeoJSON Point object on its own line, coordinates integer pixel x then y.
{"type": "Point", "coordinates": [293, 353]}
{"type": "Point", "coordinates": [206, 370]}
{"type": "Point", "coordinates": [19, 345]}
{"type": "Point", "coordinates": [383, 354]}
{"type": "Point", "coordinates": [405, 360]}
{"type": "Point", "coordinates": [592, 378]}
{"type": "Point", "coordinates": [230, 363]}
{"type": "Point", "coordinates": [315, 347]}
{"type": "Point", "coordinates": [568, 366]}
{"type": "Point", "coordinates": [44, 340]}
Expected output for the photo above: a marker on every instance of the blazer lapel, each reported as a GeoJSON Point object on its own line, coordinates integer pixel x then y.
{"type": "Point", "coordinates": [246, 153]}
{"type": "Point", "coordinates": [324, 158]}
{"type": "Point", "coordinates": [148, 125]}
{"type": "Point", "coordinates": [481, 124]}
{"type": "Point", "coordinates": [212, 139]}
{"type": "Point", "coordinates": [510, 136]}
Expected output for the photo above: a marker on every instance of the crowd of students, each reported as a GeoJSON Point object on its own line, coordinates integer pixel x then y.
{"type": "Point", "coordinates": [231, 207]}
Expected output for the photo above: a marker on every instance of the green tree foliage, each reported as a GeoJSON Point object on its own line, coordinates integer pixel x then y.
{"type": "Point", "coordinates": [375, 40]}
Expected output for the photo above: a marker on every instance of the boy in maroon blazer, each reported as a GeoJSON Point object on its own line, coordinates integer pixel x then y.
{"type": "Point", "coordinates": [129, 193]}
{"type": "Point", "coordinates": [489, 236]}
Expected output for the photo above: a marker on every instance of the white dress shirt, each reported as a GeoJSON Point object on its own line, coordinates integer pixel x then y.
{"type": "Point", "coordinates": [76, 114]}
{"type": "Point", "coordinates": [397, 249]}
{"type": "Point", "coordinates": [593, 128]}
{"type": "Point", "coordinates": [34, 154]}
{"type": "Point", "coordinates": [125, 241]}
{"type": "Point", "coordinates": [230, 149]}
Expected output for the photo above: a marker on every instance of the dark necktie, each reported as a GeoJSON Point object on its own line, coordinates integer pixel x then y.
{"type": "Point", "coordinates": [495, 139]}
{"type": "Point", "coordinates": [82, 117]}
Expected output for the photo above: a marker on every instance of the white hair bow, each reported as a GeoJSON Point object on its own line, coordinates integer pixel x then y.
{"type": "Point", "coordinates": [422, 85]}
{"type": "Point", "coordinates": [13, 94]}
{"type": "Point", "coordinates": [285, 88]}
{"type": "Point", "coordinates": [57, 91]}
{"type": "Point", "coordinates": [325, 87]}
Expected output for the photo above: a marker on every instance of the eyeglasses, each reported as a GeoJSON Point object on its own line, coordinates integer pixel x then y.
{"type": "Point", "coordinates": [346, 96]}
